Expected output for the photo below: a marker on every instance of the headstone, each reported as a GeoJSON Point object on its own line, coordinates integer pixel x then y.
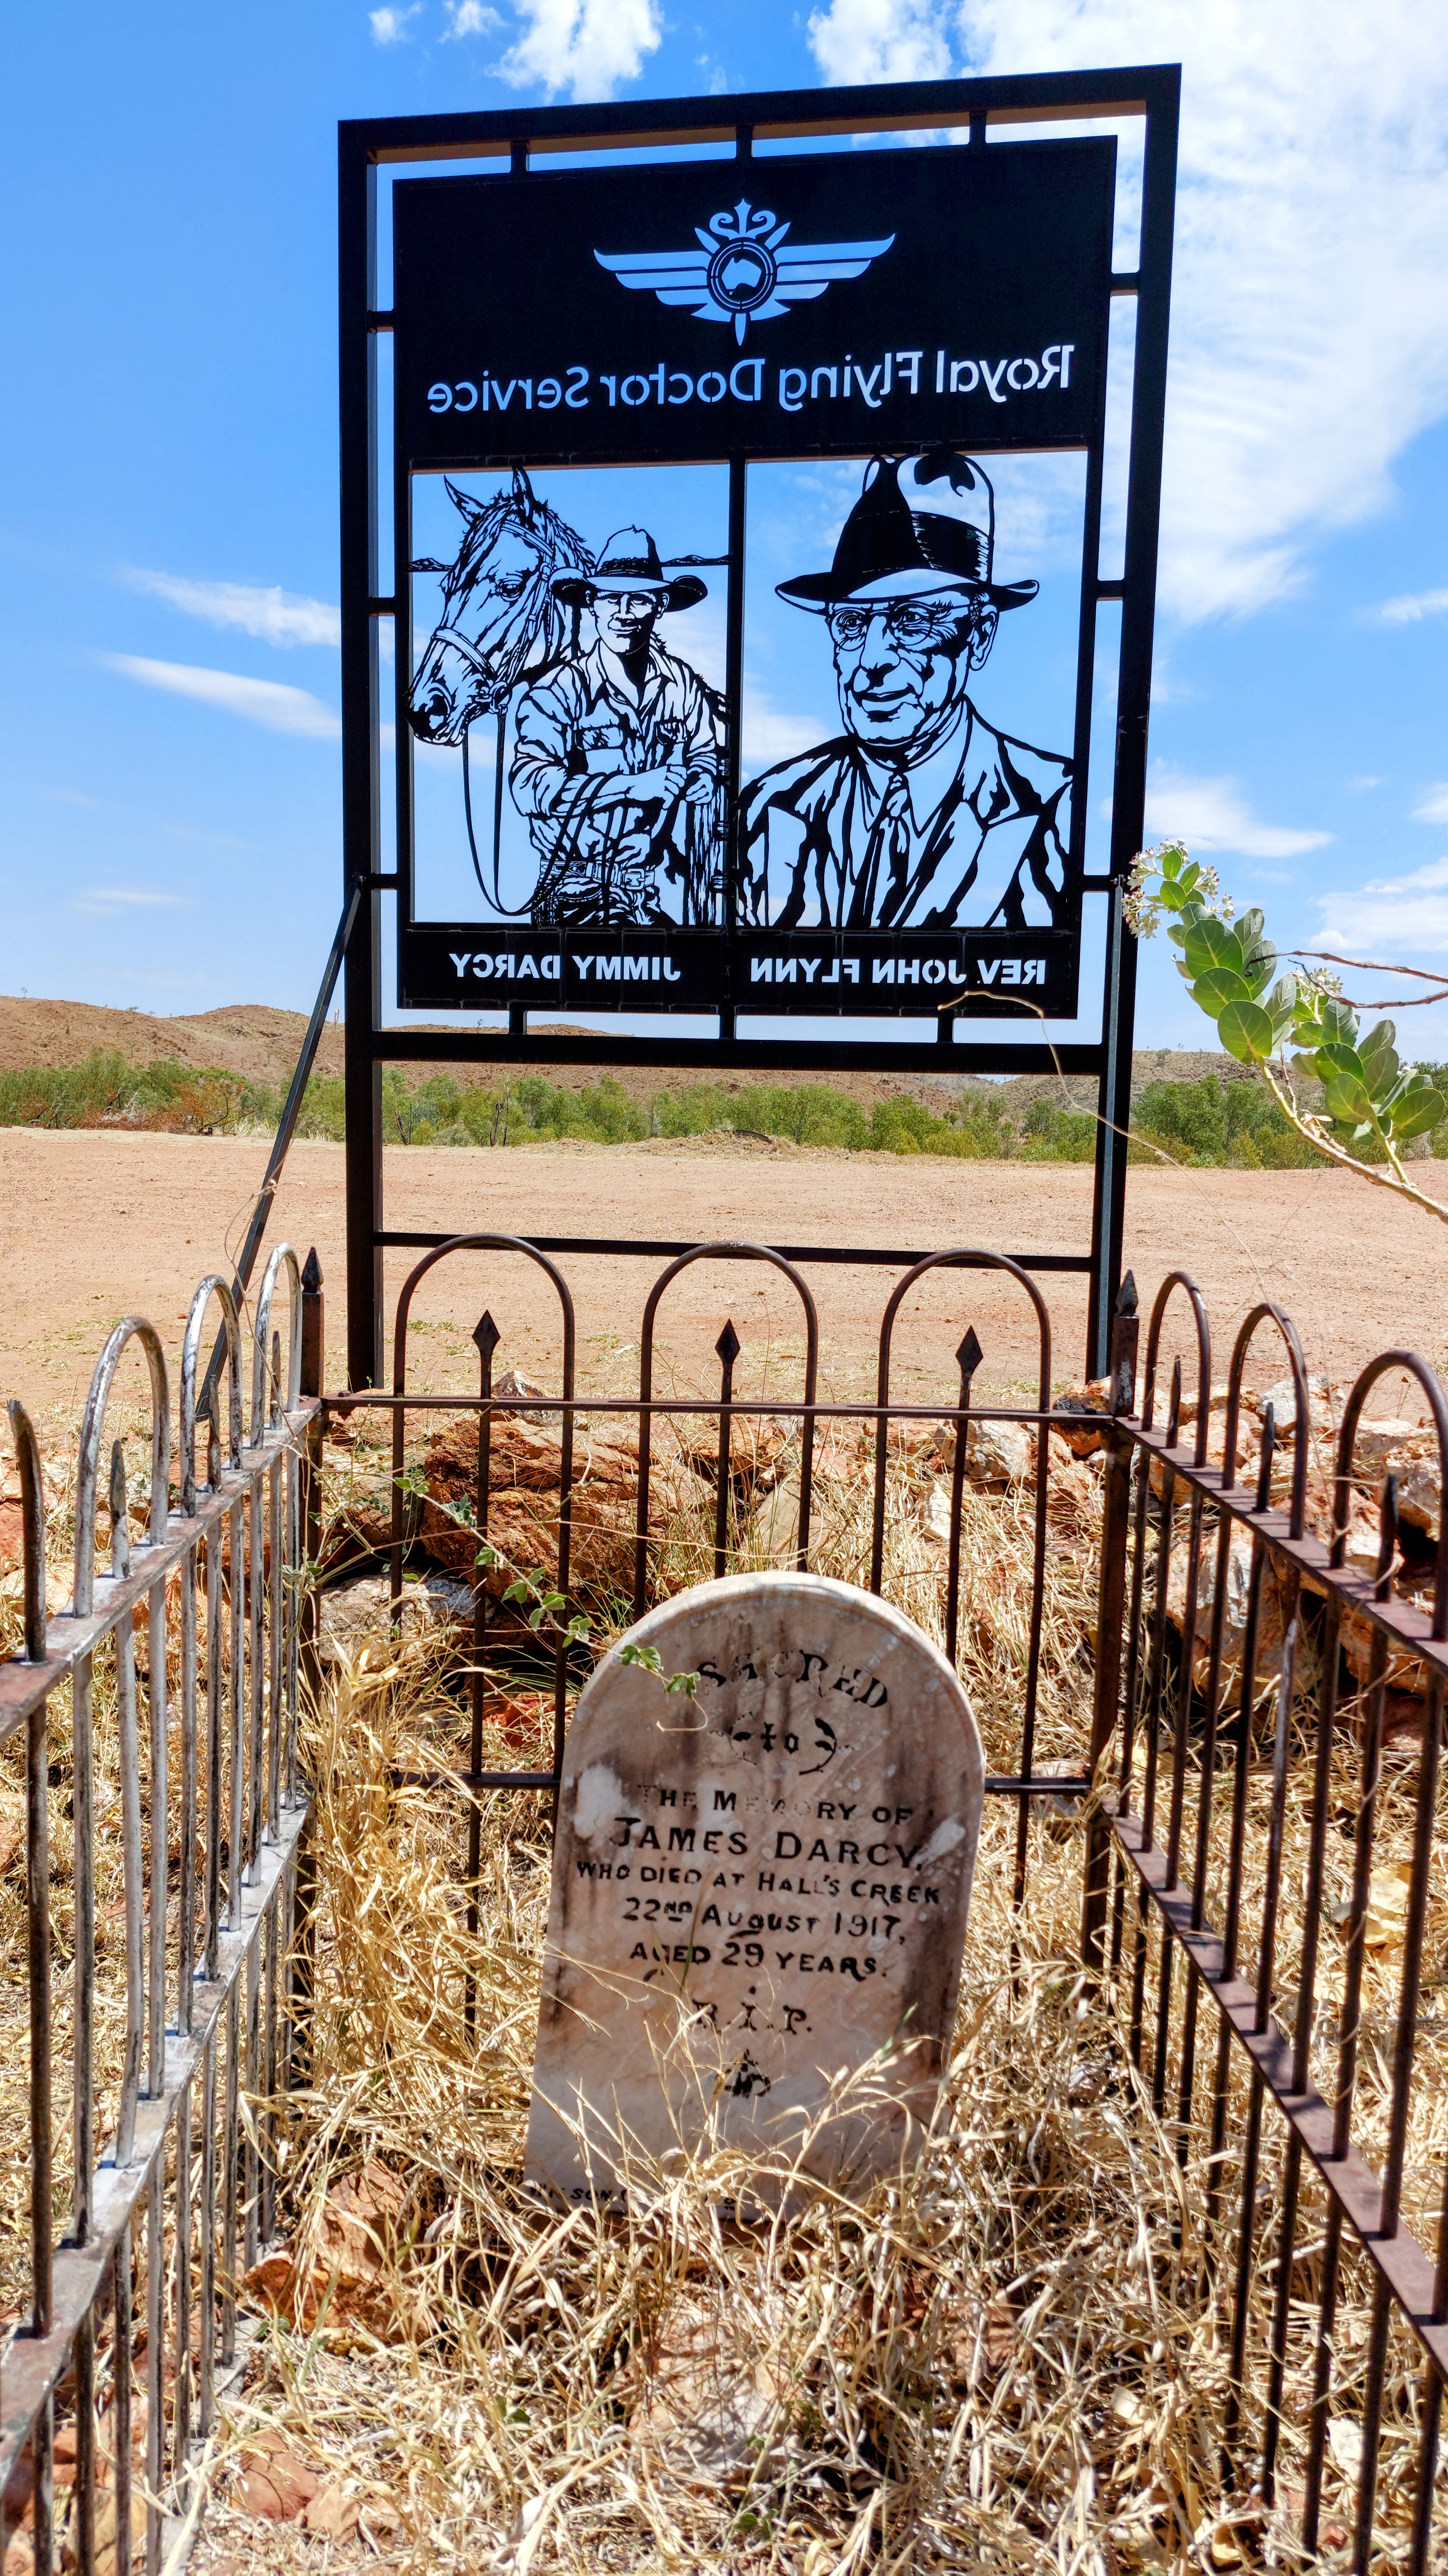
{"type": "Point", "coordinates": [756, 1892]}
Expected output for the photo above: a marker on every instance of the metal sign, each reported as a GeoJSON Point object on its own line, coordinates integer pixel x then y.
{"type": "Point", "coordinates": [746, 513]}
{"type": "Point", "coordinates": [920, 311]}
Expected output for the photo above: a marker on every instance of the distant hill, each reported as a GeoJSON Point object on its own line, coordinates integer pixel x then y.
{"type": "Point", "coordinates": [245, 1037]}
{"type": "Point", "coordinates": [253, 1039]}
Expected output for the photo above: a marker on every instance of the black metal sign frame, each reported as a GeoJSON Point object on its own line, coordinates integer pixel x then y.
{"type": "Point", "coordinates": [442, 316]}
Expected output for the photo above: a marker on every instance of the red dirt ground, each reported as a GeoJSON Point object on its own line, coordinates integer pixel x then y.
{"type": "Point", "coordinates": [101, 1223]}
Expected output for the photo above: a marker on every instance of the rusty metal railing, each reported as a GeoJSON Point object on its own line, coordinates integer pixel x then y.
{"type": "Point", "coordinates": [1249, 1775]}
{"type": "Point", "coordinates": [172, 1777]}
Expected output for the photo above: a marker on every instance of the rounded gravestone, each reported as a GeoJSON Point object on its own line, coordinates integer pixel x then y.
{"type": "Point", "coordinates": [759, 1894]}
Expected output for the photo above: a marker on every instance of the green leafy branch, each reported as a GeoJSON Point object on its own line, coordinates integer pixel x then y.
{"type": "Point", "coordinates": [531, 1591]}
{"type": "Point", "coordinates": [1371, 1099]}
{"type": "Point", "coordinates": [652, 1662]}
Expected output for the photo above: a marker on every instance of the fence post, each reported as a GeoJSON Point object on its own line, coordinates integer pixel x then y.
{"type": "Point", "coordinates": [301, 1966]}
{"type": "Point", "coordinates": [1110, 1604]}
{"type": "Point", "coordinates": [313, 1364]}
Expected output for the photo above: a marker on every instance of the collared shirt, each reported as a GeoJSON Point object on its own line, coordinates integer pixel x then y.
{"type": "Point", "coordinates": [583, 725]}
{"type": "Point", "coordinates": [973, 836]}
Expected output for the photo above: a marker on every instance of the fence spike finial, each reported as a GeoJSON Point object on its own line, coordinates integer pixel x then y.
{"type": "Point", "coordinates": [309, 1375]}
{"type": "Point", "coordinates": [1127, 1300]}
{"type": "Point", "coordinates": [970, 1354]}
{"type": "Point", "coordinates": [486, 1335]}
{"type": "Point", "coordinates": [728, 1346]}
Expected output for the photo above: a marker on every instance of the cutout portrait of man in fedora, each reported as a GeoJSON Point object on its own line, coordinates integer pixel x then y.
{"type": "Point", "coordinates": [617, 766]}
{"type": "Point", "coordinates": [920, 815]}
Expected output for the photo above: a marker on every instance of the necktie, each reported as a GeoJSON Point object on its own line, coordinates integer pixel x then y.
{"type": "Point", "coordinates": [888, 864]}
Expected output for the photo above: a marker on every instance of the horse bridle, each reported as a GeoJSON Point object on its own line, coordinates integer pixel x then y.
{"type": "Point", "coordinates": [453, 635]}
{"type": "Point", "coordinates": [471, 655]}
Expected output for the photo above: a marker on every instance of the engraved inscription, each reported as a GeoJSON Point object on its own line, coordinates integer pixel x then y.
{"type": "Point", "coordinates": [746, 1904]}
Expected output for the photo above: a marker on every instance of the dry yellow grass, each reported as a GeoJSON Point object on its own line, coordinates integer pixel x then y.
{"type": "Point", "coordinates": [1012, 2357]}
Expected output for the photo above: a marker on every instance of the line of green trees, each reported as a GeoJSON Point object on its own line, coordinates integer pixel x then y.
{"type": "Point", "coordinates": [1205, 1123]}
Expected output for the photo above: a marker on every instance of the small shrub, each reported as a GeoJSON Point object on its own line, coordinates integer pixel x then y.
{"type": "Point", "coordinates": [1057, 1135]}
{"type": "Point", "coordinates": [164, 1096]}
{"type": "Point", "coordinates": [1209, 1123]}
{"type": "Point", "coordinates": [1215, 1123]}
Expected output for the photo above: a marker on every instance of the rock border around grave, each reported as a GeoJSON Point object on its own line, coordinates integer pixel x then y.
{"type": "Point", "coordinates": [760, 1894]}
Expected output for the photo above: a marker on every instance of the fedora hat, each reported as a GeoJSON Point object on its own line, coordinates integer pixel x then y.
{"type": "Point", "coordinates": [630, 561]}
{"type": "Point", "coordinates": [924, 526]}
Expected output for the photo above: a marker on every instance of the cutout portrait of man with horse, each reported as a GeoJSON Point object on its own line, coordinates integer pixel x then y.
{"type": "Point", "coordinates": [617, 764]}
{"type": "Point", "coordinates": [912, 811]}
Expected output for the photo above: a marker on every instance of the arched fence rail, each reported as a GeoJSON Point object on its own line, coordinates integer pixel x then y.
{"type": "Point", "coordinates": [166, 1691]}
{"type": "Point", "coordinates": [1259, 1759]}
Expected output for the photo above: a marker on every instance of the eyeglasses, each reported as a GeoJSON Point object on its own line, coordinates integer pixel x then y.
{"type": "Point", "coordinates": [905, 622]}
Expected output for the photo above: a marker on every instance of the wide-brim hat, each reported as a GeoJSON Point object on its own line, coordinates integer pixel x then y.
{"type": "Point", "coordinates": [922, 527]}
{"type": "Point", "coordinates": [630, 561]}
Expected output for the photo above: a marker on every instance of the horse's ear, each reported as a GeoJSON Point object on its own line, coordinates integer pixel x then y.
{"type": "Point", "coordinates": [429, 563]}
{"type": "Point", "coordinates": [524, 494]}
{"type": "Point", "coordinates": [463, 502]}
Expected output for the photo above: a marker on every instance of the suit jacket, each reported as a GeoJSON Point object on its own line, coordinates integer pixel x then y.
{"type": "Point", "coordinates": [974, 837]}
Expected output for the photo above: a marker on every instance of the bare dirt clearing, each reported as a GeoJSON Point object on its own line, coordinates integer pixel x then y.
{"type": "Point", "coordinates": [100, 1224]}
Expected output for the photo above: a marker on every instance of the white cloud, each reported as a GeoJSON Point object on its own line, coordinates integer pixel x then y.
{"type": "Point", "coordinates": [1309, 333]}
{"type": "Point", "coordinates": [874, 40]}
{"type": "Point", "coordinates": [1390, 912]}
{"type": "Point", "coordinates": [276, 616]}
{"type": "Point", "coordinates": [114, 899]}
{"type": "Point", "coordinates": [263, 702]}
{"type": "Point", "coordinates": [769, 734]}
{"type": "Point", "coordinates": [584, 46]}
{"type": "Point", "coordinates": [1363, 786]}
{"type": "Point", "coordinates": [1434, 874]}
{"type": "Point", "coordinates": [389, 26]}
{"type": "Point", "coordinates": [1434, 808]}
{"type": "Point", "coordinates": [1413, 605]}
{"type": "Point", "coordinates": [1210, 814]}
{"type": "Point", "coordinates": [470, 18]}
{"type": "Point", "coordinates": [1038, 505]}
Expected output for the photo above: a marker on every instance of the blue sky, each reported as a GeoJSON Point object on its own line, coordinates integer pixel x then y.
{"type": "Point", "coordinates": [168, 669]}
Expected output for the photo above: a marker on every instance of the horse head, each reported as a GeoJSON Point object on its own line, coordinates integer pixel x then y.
{"type": "Point", "coordinates": [500, 624]}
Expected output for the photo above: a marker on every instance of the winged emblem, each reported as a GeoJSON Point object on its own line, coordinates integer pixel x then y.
{"type": "Point", "coordinates": [744, 269]}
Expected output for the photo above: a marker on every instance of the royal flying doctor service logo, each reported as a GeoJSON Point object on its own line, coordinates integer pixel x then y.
{"type": "Point", "coordinates": [743, 271]}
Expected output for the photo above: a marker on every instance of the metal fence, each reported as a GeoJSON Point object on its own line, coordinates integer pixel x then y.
{"type": "Point", "coordinates": [1257, 1785]}
{"type": "Point", "coordinates": [1226, 1750]}
{"type": "Point", "coordinates": [1251, 1778]}
{"type": "Point", "coordinates": [167, 1891]}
